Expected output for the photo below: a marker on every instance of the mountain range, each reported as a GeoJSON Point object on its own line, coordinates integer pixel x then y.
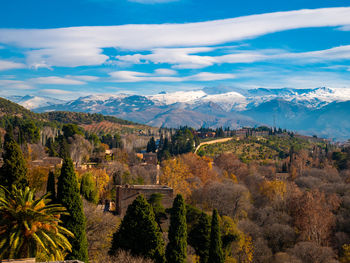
{"type": "Point", "coordinates": [321, 111]}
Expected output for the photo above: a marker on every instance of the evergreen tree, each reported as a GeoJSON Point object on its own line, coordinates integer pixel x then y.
{"type": "Point", "coordinates": [14, 170]}
{"type": "Point", "coordinates": [155, 201]}
{"type": "Point", "coordinates": [151, 145]}
{"type": "Point", "coordinates": [139, 233]}
{"type": "Point", "coordinates": [68, 196]}
{"type": "Point", "coordinates": [199, 237]}
{"type": "Point", "coordinates": [50, 187]}
{"type": "Point", "coordinates": [215, 248]}
{"type": "Point", "coordinates": [88, 188]}
{"type": "Point", "coordinates": [176, 250]}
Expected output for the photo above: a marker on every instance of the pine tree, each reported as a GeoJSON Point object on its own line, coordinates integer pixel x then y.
{"type": "Point", "coordinates": [139, 233]}
{"type": "Point", "coordinates": [14, 170]}
{"type": "Point", "coordinates": [176, 251]}
{"type": "Point", "coordinates": [215, 249]}
{"type": "Point", "coordinates": [151, 145]}
{"type": "Point", "coordinates": [199, 238]}
{"type": "Point", "coordinates": [68, 196]}
{"type": "Point", "coordinates": [50, 187]}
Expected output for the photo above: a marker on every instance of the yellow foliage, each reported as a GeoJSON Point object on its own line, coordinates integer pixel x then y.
{"type": "Point", "coordinates": [176, 175]}
{"type": "Point", "coordinates": [37, 177]}
{"type": "Point", "coordinates": [247, 250]}
{"type": "Point", "coordinates": [273, 189]}
{"type": "Point", "coordinates": [345, 258]}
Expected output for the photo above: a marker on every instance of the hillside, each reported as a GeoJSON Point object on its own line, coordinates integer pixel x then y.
{"type": "Point", "coordinates": [261, 149]}
{"type": "Point", "coordinates": [91, 122]}
{"type": "Point", "coordinates": [10, 108]}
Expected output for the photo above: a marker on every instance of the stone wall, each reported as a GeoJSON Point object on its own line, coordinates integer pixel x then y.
{"type": "Point", "coordinates": [126, 194]}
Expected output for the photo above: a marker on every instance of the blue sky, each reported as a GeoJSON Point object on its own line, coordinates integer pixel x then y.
{"type": "Point", "coordinates": [68, 49]}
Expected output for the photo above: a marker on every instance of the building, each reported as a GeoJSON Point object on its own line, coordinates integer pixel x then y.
{"type": "Point", "coordinates": [150, 158]}
{"type": "Point", "coordinates": [126, 194]}
{"type": "Point", "coordinates": [48, 161]}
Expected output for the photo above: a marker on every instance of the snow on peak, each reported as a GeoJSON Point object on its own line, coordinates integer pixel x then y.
{"type": "Point", "coordinates": [178, 96]}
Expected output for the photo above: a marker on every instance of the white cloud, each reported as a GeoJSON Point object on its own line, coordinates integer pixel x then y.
{"type": "Point", "coordinates": [53, 80]}
{"type": "Point", "coordinates": [6, 64]}
{"type": "Point", "coordinates": [207, 76]}
{"type": "Point", "coordinates": [55, 92]}
{"type": "Point", "coordinates": [14, 84]}
{"type": "Point", "coordinates": [133, 76]}
{"type": "Point", "coordinates": [165, 71]}
{"type": "Point", "coordinates": [82, 46]}
{"type": "Point", "coordinates": [83, 77]}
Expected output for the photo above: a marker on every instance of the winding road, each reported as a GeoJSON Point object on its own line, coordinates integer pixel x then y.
{"type": "Point", "coordinates": [212, 142]}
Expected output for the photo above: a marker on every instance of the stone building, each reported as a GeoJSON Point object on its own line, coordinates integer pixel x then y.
{"type": "Point", "coordinates": [126, 194]}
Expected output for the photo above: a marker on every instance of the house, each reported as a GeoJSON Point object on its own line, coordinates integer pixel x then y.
{"type": "Point", "coordinates": [126, 194]}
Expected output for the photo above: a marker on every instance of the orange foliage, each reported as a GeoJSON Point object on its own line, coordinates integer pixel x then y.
{"type": "Point", "coordinates": [176, 175]}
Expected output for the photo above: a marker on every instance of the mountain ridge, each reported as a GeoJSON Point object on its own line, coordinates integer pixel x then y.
{"type": "Point", "coordinates": [303, 110]}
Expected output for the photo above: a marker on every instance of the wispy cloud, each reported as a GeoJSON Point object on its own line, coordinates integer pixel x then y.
{"type": "Point", "coordinates": [12, 84]}
{"type": "Point", "coordinates": [6, 65]}
{"type": "Point", "coordinates": [82, 46]}
{"type": "Point", "coordinates": [53, 80]}
{"type": "Point", "coordinates": [56, 92]}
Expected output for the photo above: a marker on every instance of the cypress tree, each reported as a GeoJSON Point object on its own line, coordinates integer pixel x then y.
{"type": "Point", "coordinates": [176, 250]}
{"type": "Point", "coordinates": [50, 187]}
{"type": "Point", "coordinates": [14, 170]}
{"type": "Point", "coordinates": [215, 248]}
{"type": "Point", "coordinates": [151, 145]}
{"type": "Point", "coordinates": [139, 233]}
{"type": "Point", "coordinates": [88, 188]}
{"type": "Point", "coordinates": [68, 195]}
{"type": "Point", "coordinates": [199, 237]}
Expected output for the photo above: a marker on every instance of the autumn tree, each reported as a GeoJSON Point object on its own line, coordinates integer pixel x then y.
{"type": "Point", "coordinates": [175, 174]}
{"type": "Point", "coordinates": [312, 214]}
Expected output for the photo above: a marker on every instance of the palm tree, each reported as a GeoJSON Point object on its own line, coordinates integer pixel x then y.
{"type": "Point", "coordinates": [29, 227]}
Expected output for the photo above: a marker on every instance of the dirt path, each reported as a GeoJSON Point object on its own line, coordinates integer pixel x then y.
{"type": "Point", "coordinates": [212, 142]}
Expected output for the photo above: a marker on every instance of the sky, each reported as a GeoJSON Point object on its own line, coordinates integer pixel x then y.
{"type": "Point", "coordinates": [67, 49]}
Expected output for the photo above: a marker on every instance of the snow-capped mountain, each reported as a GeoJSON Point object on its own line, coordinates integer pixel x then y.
{"type": "Point", "coordinates": [33, 102]}
{"type": "Point", "coordinates": [311, 111]}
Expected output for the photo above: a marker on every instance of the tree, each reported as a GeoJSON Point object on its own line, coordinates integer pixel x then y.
{"type": "Point", "coordinates": [176, 250]}
{"type": "Point", "coordinates": [88, 188]}
{"type": "Point", "coordinates": [139, 233]}
{"type": "Point", "coordinates": [14, 170]}
{"type": "Point", "coordinates": [313, 216]}
{"type": "Point", "coordinates": [68, 196]}
{"type": "Point", "coordinates": [151, 145]}
{"type": "Point", "coordinates": [175, 175]}
{"type": "Point", "coordinates": [215, 248]}
{"type": "Point", "coordinates": [155, 201]}
{"type": "Point", "coordinates": [199, 237]}
{"type": "Point", "coordinates": [30, 228]}
{"type": "Point", "coordinates": [51, 186]}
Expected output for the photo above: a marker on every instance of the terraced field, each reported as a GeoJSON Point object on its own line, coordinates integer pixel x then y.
{"type": "Point", "coordinates": [125, 129]}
